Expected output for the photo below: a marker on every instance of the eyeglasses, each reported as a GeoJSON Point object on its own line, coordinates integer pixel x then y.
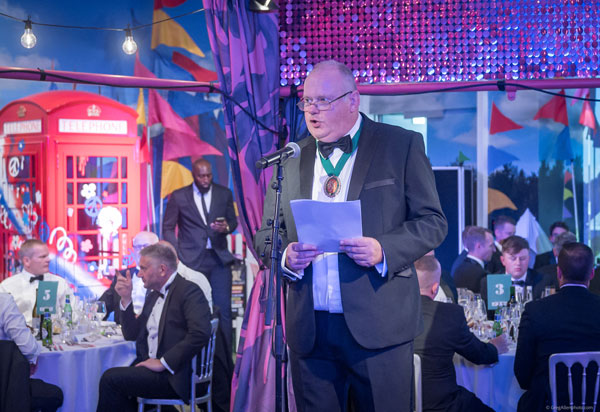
{"type": "Point", "coordinates": [321, 104]}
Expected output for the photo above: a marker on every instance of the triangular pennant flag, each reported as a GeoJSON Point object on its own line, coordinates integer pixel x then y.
{"type": "Point", "coordinates": [562, 149]}
{"type": "Point", "coordinates": [555, 109]}
{"type": "Point", "coordinates": [566, 214]}
{"type": "Point", "coordinates": [498, 157]}
{"type": "Point", "coordinates": [498, 200]}
{"type": "Point", "coordinates": [159, 4]}
{"type": "Point", "coordinates": [587, 117]}
{"type": "Point", "coordinates": [568, 176]}
{"type": "Point", "coordinates": [174, 176]}
{"type": "Point", "coordinates": [140, 70]}
{"type": "Point", "coordinates": [461, 158]}
{"type": "Point", "coordinates": [579, 93]}
{"type": "Point", "coordinates": [170, 33]}
{"type": "Point", "coordinates": [500, 123]}
{"type": "Point", "coordinates": [200, 73]}
{"type": "Point", "coordinates": [567, 194]}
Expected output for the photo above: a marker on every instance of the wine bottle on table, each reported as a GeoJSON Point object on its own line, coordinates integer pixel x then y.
{"type": "Point", "coordinates": [47, 329]}
{"type": "Point", "coordinates": [68, 311]}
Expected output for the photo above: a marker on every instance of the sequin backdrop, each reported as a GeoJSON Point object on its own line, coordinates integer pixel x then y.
{"type": "Point", "coordinates": [440, 40]}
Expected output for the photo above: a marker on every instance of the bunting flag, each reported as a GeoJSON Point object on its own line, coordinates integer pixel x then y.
{"type": "Point", "coordinates": [580, 93]}
{"type": "Point", "coordinates": [174, 176]}
{"type": "Point", "coordinates": [587, 117]}
{"type": "Point", "coordinates": [555, 109]}
{"type": "Point", "coordinates": [498, 200]}
{"type": "Point", "coordinates": [200, 73]}
{"type": "Point", "coordinates": [141, 124]}
{"type": "Point", "coordinates": [498, 157]}
{"type": "Point", "coordinates": [562, 148]}
{"type": "Point", "coordinates": [500, 123]}
{"type": "Point", "coordinates": [159, 4]}
{"type": "Point", "coordinates": [568, 198]}
{"type": "Point", "coordinates": [171, 34]}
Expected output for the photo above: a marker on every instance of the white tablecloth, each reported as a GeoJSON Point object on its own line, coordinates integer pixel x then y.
{"type": "Point", "coordinates": [77, 370]}
{"type": "Point", "coordinates": [495, 385]}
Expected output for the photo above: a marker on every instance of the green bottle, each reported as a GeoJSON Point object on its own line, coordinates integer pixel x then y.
{"type": "Point", "coordinates": [497, 323]}
{"type": "Point", "coordinates": [513, 299]}
{"type": "Point", "coordinates": [68, 311]}
{"type": "Point", "coordinates": [47, 329]}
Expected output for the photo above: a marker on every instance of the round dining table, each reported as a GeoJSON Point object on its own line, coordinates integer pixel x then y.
{"type": "Point", "coordinates": [77, 369]}
{"type": "Point", "coordinates": [496, 385]}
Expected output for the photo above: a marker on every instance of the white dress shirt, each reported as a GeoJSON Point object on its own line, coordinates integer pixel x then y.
{"type": "Point", "coordinates": [207, 200]}
{"type": "Point", "coordinates": [24, 291]}
{"type": "Point", "coordinates": [138, 293]}
{"type": "Point", "coordinates": [199, 279]}
{"type": "Point", "coordinates": [13, 327]}
{"type": "Point", "coordinates": [476, 259]}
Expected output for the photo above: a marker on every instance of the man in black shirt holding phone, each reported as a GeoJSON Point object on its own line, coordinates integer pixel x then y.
{"type": "Point", "coordinates": [204, 215]}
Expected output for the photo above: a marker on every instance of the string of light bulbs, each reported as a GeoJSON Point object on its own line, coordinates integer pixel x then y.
{"type": "Point", "coordinates": [28, 39]}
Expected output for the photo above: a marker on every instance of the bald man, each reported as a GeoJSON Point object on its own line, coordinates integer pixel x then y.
{"type": "Point", "coordinates": [111, 297]}
{"type": "Point", "coordinates": [446, 332]}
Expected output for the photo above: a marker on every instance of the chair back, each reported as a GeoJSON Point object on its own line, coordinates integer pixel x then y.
{"type": "Point", "coordinates": [570, 359]}
{"type": "Point", "coordinates": [418, 390]}
{"type": "Point", "coordinates": [202, 371]}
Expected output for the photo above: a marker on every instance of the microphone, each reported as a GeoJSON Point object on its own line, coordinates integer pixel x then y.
{"type": "Point", "coordinates": [290, 150]}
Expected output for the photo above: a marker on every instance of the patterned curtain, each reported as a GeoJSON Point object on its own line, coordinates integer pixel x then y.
{"type": "Point", "coordinates": [245, 46]}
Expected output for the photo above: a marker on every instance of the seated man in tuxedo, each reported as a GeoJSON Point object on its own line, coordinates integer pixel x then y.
{"type": "Point", "coordinates": [563, 322]}
{"type": "Point", "coordinates": [549, 271]}
{"type": "Point", "coordinates": [138, 292]}
{"type": "Point", "coordinates": [44, 396]}
{"type": "Point", "coordinates": [504, 227]}
{"type": "Point", "coordinates": [173, 327]}
{"type": "Point", "coordinates": [515, 258]}
{"type": "Point", "coordinates": [445, 333]}
{"type": "Point", "coordinates": [480, 244]}
{"type": "Point", "coordinates": [35, 257]}
{"type": "Point", "coordinates": [549, 258]}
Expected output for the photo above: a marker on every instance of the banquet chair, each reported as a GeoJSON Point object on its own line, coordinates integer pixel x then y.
{"type": "Point", "coordinates": [201, 373]}
{"type": "Point", "coordinates": [14, 378]}
{"type": "Point", "coordinates": [418, 390]}
{"type": "Point", "coordinates": [570, 359]}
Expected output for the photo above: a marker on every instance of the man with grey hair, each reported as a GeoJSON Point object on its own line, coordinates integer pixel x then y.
{"type": "Point", "coordinates": [352, 315]}
{"type": "Point", "coordinates": [138, 292]}
{"type": "Point", "coordinates": [445, 333]}
{"type": "Point", "coordinates": [173, 327]}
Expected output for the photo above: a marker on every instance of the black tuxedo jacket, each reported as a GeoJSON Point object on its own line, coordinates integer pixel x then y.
{"type": "Point", "coordinates": [192, 232]}
{"type": "Point", "coordinates": [111, 298]}
{"type": "Point", "coordinates": [394, 182]}
{"type": "Point", "coordinates": [564, 322]}
{"type": "Point", "coordinates": [495, 266]}
{"type": "Point", "coordinates": [445, 333]}
{"type": "Point", "coordinates": [544, 259]}
{"type": "Point", "coordinates": [457, 262]}
{"type": "Point", "coordinates": [183, 330]}
{"type": "Point", "coordinates": [469, 275]}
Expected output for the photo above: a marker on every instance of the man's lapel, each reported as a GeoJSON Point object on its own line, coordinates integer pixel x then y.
{"type": "Point", "coordinates": [189, 194]}
{"type": "Point", "coordinates": [367, 145]}
{"type": "Point", "coordinates": [307, 168]}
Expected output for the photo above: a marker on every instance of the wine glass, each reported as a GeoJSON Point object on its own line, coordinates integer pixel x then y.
{"type": "Point", "coordinates": [100, 310]}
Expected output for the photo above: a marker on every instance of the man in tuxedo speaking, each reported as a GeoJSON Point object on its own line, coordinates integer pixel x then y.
{"type": "Point", "coordinates": [173, 327]}
{"type": "Point", "coordinates": [352, 316]}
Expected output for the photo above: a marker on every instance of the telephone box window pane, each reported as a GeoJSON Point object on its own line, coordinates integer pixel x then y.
{"type": "Point", "coordinates": [18, 167]}
{"type": "Point", "coordinates": [109, 193]}
{"type": "Point", "coordinates": [123, 167]}
{"type": "Point", "coordinates": [84, 222]}
{"type": "Point", "coordinates": [124, 213]}
{"type": "Point", "coordinates": [123, 192]}
{"type": "Point", "coordinates": [88, 245]}
{"type": "Point", "coordinates": [69, 167]}
{"type": "Point", "coordinates": [33, 171]}
{"type": "Point", "coordinates": [87, 190]}
{"type": "Point", "coordinates": [103, 167]}
{"type": "Point", "coordinates": [69, 193]}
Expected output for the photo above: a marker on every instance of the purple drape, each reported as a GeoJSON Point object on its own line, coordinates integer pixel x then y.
{"type": "Point", "coordinates": [246, 51]}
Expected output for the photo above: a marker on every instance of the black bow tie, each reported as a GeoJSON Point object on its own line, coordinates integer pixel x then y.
{"type": "Point", "coordinates": [344, 144]}
{"type": "Point", "coordinates": [162, 295]}
{"type": "Point", "coordinates": [34, 278]}
{"type": "Point", "coordinates": [519, 283]}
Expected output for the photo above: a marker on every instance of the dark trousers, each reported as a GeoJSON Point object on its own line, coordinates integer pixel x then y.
{"type": "Point", "coordinates": [119, 388]}
{"type": "Point", "coordinates": [219, 277]}
{"type": "Point", "coordinates": [379, 379]}
{"type": "Point", "coordinates": [45, 397]}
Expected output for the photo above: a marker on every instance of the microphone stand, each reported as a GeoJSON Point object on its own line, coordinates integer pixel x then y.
{"type": "Point", "coordinates": [275, 278]}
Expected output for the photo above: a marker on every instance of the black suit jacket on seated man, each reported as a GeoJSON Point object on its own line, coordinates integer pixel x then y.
{"type": "Point", "coordinates": [469, 275]}
{"type": "Point", "coordinates": [445, 333]}
{"type": "Point", "coordinates": [183, 330]}
{"type": "Point", "coordinates": [567, 321]}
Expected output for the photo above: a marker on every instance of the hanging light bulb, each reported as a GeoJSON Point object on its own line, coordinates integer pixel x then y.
{"type": "Point", "coordinates": [129, 45]}
{"type": "Point", "coordinates": [28, 39]}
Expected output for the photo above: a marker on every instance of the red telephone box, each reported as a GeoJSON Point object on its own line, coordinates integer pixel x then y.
{"type": "Point", "coordinates": [70, 176]}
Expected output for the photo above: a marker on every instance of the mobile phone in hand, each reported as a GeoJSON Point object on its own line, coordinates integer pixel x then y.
{"type": "Point", "coordinates": [220, 220]}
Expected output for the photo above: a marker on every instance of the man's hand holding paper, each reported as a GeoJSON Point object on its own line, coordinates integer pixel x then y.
{"type": "Point", "coordinates": [365, 251]}
{"type": "Point", "coordinates": [299, 255]}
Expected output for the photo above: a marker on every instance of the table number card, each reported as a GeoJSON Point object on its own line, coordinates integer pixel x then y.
{"type": "Point", "coordinates": [498, 290]}
{"type": "Point", "coordinates": [46, 296]}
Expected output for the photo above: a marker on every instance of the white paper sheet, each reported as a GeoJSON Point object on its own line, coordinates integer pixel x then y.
{"type": "Point", "coordinates": [324, 224]}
